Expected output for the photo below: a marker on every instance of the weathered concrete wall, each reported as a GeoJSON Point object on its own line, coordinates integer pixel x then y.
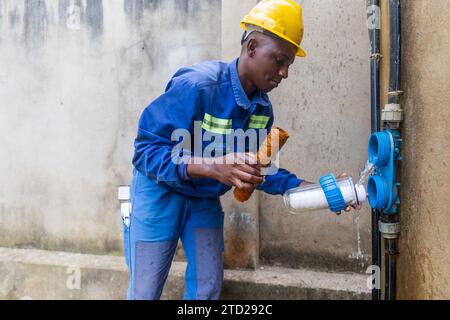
{"type": "Point", "coordinates": [77, 75]}
{"type": "Point", "coordinates": [325, 106]}
{"type": "Point", "coordinates": [424, 260]}
{"type": "Point", "coordinates": [74, 78]}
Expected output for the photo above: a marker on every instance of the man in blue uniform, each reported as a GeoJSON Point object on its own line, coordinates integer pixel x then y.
{"type": "Point", "coordinates": [180, 199]}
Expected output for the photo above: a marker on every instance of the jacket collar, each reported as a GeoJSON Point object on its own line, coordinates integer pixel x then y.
{"type": "Point", "coordinates": [242, 100]}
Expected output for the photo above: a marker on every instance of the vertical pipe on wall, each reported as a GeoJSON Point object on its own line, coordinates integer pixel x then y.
{"type": "Point", "coordinates": [374, 32]}
{"type": "Point", "coordinates": [390, 247]}
{"type": "Point", "coordinates": [393, 98]}
{"type": "Point", "coordinates": [395, 49]}
{"type": "Point", "coordinates": [374, 21]}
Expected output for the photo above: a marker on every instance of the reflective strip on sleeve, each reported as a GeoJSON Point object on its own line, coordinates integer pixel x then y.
{"type": "Point", "coordinates": [258, 122]}
{"type": "Point", "coordinates": [216, 125]}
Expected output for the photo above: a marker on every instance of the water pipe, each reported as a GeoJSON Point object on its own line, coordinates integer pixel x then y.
{"type": "Point", "coordinates": [384, 153]}
{"type": "Point", "coordinates": [395, 48]}
{"type": "Point", "coordinates": [374, 25]}
{"type": "Point", "coordinates": [392, 117]}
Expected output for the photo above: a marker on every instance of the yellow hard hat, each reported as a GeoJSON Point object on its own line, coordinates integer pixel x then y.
{"type": "Point", "coordinates": [280, 17]}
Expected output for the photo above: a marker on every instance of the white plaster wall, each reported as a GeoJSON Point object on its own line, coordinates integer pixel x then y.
{"type": "Point", "coordinates": [74, 78]}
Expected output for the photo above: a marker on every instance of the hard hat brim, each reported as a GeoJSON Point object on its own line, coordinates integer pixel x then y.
{"type": "Point", "coordinates": [300, 52]}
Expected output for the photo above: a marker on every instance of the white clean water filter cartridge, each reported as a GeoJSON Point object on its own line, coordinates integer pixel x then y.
{"type": "Point", "coordinates": [307, 199]}
{"type": "Point", "coordinates": [312, 197]}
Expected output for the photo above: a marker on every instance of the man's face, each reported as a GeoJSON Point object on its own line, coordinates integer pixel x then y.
{"type": "Point", "coordinates": [271, 61]}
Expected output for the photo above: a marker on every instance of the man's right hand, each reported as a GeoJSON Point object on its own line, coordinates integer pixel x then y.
{"type": "Point", "coordinates": [234, 169]}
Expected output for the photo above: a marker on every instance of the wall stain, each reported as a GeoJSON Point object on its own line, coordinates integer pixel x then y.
{"type": "Point", "coordinates": [63, 5]}
{"type": "Point", "coordinates": [151, 4]}
{"type": "Point", "coordinates": [14, 18]}
{"type": "Point", "coordinates": [186, 10]}
{"type": "Point", "coordinates": [90, 16]}
{"type": "Point", "coordinates": [35, 22]}
{"type": "Point", "coordinates": [134, 10]}
{"type": "Point", "coordinates": [94, 16]}
{"type": "Point", "coordinates": [36, 18]}
{"type": "Point", "coordinates": [1, 21]}
{"type": "Point", "coordinates": [188, 7]}
{"type": "Point", "coordinates": [1, 10]}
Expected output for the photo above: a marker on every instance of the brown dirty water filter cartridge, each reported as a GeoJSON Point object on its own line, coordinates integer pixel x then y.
{"type": "Point", "coordinates": [266, 153]}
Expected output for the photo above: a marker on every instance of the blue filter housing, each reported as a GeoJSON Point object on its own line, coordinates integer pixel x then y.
{"type": "Point", "coordinates": [382, 187]}
{"type": "Point", "coordinates": [332, 192]}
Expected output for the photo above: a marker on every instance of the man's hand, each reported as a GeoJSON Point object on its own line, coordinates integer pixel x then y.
{"type": "Point", "coordinates": [349, 208]}
{"type": "Point", "coordinates": [234, 169]}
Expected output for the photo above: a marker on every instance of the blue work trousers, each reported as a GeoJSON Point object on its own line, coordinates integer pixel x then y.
{"type": "Point", "coordinates": [159, 218]}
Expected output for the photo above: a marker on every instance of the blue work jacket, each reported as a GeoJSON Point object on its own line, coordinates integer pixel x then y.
{"type": "Point", "coordinates": [207, 102]}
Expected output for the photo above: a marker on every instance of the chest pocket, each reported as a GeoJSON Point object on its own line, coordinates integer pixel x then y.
{"type": "Point", "coordinates": [258, 122]}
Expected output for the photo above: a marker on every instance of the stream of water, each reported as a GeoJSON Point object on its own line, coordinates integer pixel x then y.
{"type": "Point", "coordinates": [369, 170]}
{"type": "Point", "coordinates": [366, 173]}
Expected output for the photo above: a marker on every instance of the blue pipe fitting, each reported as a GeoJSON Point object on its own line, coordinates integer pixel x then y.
{"type": "Point", "coordinates": [379, 148]}
{"type": "Point", "coordinates": [332, 192]}
{"type": "Point", "coordinates": [382, 187]}
{"type": "Point", "coordinates": [378, 190]}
